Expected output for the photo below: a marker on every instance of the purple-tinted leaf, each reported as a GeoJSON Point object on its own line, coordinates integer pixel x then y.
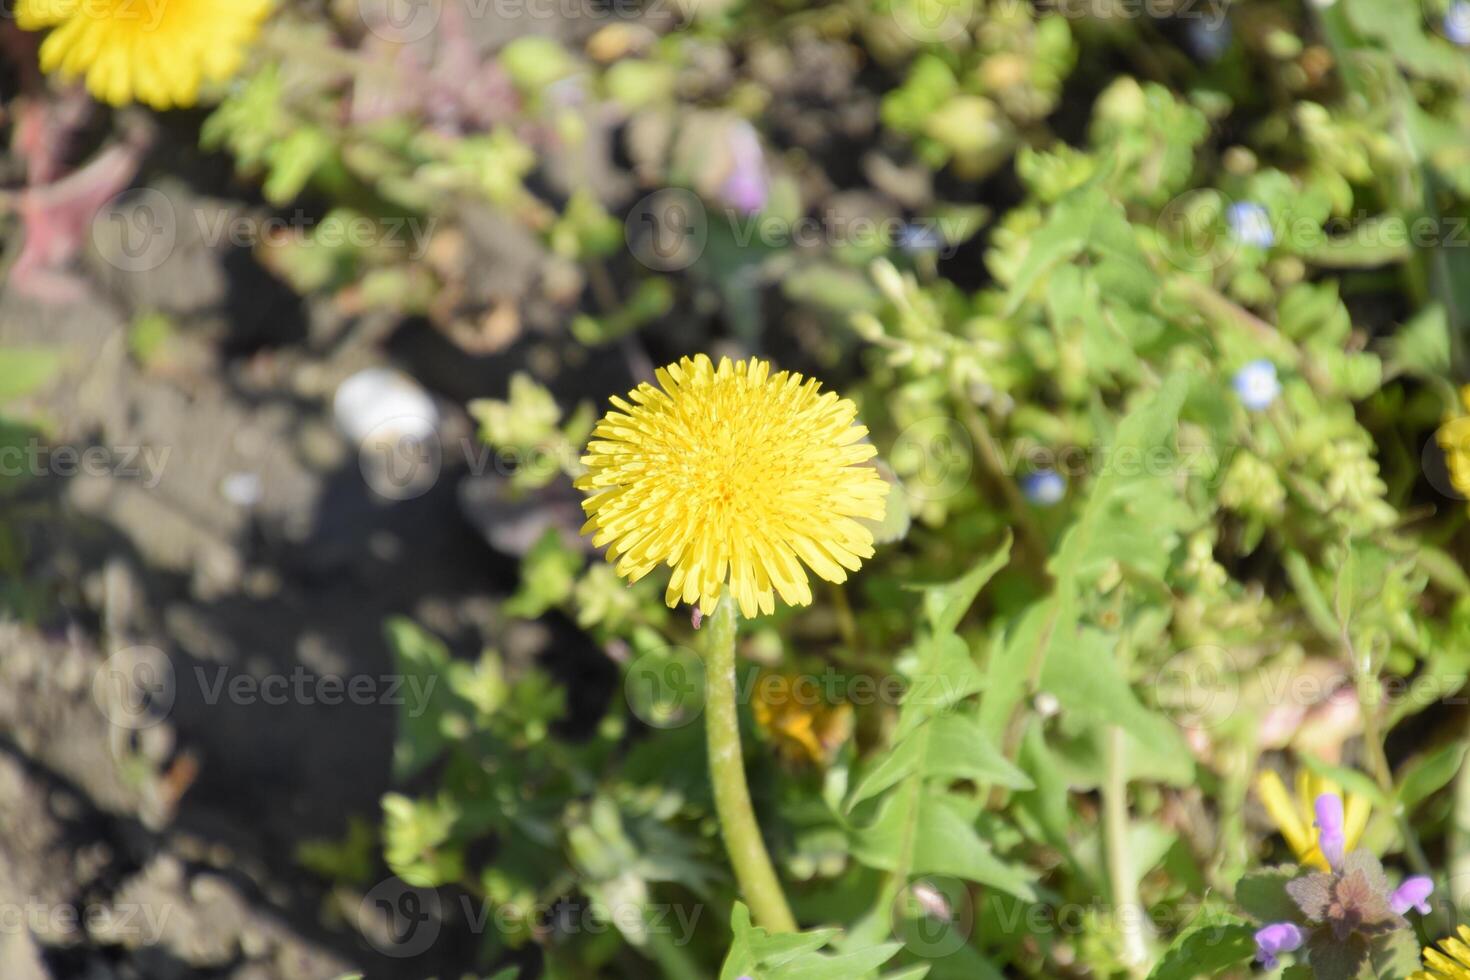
{"type": "Point", "coordinates": [1312, 895]}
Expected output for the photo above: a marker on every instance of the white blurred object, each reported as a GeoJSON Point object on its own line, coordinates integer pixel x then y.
{"type": "Point", "coordinates": [380, 404]}
{"type": "Point", "coordinates": [241, 489]}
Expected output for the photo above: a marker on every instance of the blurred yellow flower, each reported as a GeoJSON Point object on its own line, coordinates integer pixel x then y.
{"type": "Point", "coordinates": [1454, 439]}
{"type": "Point", "coordinates": [732, 473]}
{"type": "Point", "coordinates": [801, 723]}
{"type": "Point", "coordinates": [1451, 964]}
{"type": "Point", "coordinates": [154, 51]}
{"type": "Point", "coordinates": [1295, 818]}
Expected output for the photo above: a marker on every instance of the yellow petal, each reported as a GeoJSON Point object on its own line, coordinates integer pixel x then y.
{"type": "Point", "coordinates": [1284, 813]}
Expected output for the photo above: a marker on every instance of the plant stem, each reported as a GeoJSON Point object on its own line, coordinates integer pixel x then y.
{"type": "Point", "coordinates": [1127, 910]}
{"type": "Point", "coordinates": [1365, 673]}
{"type": "Point", "coordinates": [671, 956]}
{"type": "Point", "coordinates": [1033, 540]}
{"type": "Point", "coordinates": [1459, 840]}
{"type": "Point", "coordinates": [753, 871]}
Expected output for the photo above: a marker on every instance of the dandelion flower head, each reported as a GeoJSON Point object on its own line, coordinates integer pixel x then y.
{"type": "Point", "coordinates": [1450, 962]}
{"type": "Point", "coordinates": [155, 51]}
{"type": "Point", "coordinates": [1454, 439]}
{"type": "Point", "coordinates": [732, 476]}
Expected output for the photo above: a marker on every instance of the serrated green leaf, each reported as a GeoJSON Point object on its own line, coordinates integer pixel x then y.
{"type": "Point", "coordinates": [940, 840]}
{"type": "Point", "coordinates": [795, 956]}
{"type": "Point", "coordinates": [1262, 894]}
{"type": "Point", "coordinates": [1207, 947]}
{"type": "Point", "coordinates": [945, 605]}
{"type": "Point", "coordinates": [950, 746]}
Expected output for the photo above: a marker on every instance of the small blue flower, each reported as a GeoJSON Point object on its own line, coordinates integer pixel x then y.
{"type": "Point", "coordinates": [1209, 40]}
{"type": "Point", "coordinates": [1250, 223]}
{"type": "Point", "coordinates": [1044, 487]}
{"type": "Point", "coordinates": [1457, 22]}
{"type": "Point", "coordinates": [1257, 385]}
{"type": "Point", "coordinates": [920, 238]}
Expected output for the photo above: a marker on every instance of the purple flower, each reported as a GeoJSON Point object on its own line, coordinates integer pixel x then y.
{"type": "Point", "coordinates": [1412, 894]}
{"type": "Point", "coordinates": [1279, 937]}
{"type": "Point", "coordinates": [746, 188]}
{"type": "Point", "coordinates": [745, 191]}
{"type": "Point", "coordinates": [1329, 829]}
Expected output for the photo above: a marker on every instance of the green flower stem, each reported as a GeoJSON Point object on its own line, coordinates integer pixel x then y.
{"type": "Point", "coordinates": [1127, 908]}
{"type": "Point", "coordinates": [1459, 864]}
{"type": "Point", "coordinates": [1370, 695]}
{"type": "Point", "coordinates": [753, 870]}
{"type": "Point", "coordinates": [672, 957]}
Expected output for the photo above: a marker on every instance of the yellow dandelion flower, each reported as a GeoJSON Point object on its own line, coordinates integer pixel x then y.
{"type": "Point", "coordinates": [801, 723]}
{"type": "Point", "coordinates": [1295, 818]}
{"type": "Point", "coordinates": [154, 51]}
{"type": "Point", "coordinates": [732, 474]}
{"type": "Point", "coordinates": [1454, 439]}
{"type": "Point", "coordinates": [1453, 963]}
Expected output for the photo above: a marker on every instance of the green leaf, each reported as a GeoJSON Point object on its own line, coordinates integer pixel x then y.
{"type": "Point", "coordinates": [24, 369]}
{"type": "Point", "coordinates": [1060, 240]}
{"type": "Point", "coordinates": [418, 840]}
{"type": "Point", "coordinates": [1393, 957]}
{"type": "Point", "coordinates": [421, 658]}
{"type": "Point", "coordinates": [1428, 774]}
{"type": "Point", "coordinates": [940, 838]}
{"type": "Point", "coordinates": [795, 956]}
{"type": "Point", "coordinates": [916, 972]}
{"type": "Point", "coordinates": [1349, 779]}
{"type": "Point", "coordinates": [958, 748]}
{"type": "Point", "coordinates": [945, 605]}
{"type": "Point", "coordinates": [1262, 894]}
{"type": "Point", "coordinates": [1215, 942]}
{"type": "Point", "coordinates": [950, 747]}
{"type": "Point", "coordinates": [1314, 602]}
{"type": "Point", "coordinates": [1399, 27]}
{"type": "Point", "coordinates": [1085, 678]}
